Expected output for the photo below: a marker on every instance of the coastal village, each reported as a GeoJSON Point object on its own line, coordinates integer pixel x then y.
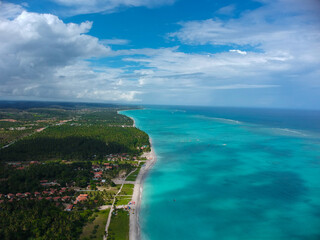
{"type": "Point", "coordinates": [70, 197]}
{"type": "Point", "coordinates": [125, 194]}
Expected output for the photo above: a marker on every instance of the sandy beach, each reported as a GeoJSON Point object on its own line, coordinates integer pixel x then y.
{"type": "Point", "coordinates": [134, 122]}
{"type": "Point", "coordinates": [134, 228]}
{"type": "Point", "coordinates": [134, 232]}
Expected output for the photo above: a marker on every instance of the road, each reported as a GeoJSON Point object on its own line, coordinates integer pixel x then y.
{"type": "Point", "coordinates": [112, 206]}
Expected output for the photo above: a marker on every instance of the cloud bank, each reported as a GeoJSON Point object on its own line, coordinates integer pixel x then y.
{"type": "Point", "coordinates": [42, 57]}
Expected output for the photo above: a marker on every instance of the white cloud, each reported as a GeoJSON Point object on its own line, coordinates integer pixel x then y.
{"type": "Point", "coordinates": [290, 26]}
{"type": "Point", "coordinates": [9, 10]}
{"type": "Point", "coordinates": [42, 57]}
{"type": "Point", "coordinates": [223, 65]}
{"type": "Point", "coordinates": [238, 51]}
{"type": "Point", "coordinates": [281, 39]}
{"type": "Point", "coordinates": [96, 6]}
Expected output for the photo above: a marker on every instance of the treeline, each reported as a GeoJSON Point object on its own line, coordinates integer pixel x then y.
{"type": "Point", "coordinates": [63, 105]}
{"type": "Point", "coordinates": [27, 219]}
{"type": "Point", "coordinates": [105, 116]}
{"type": "Point", "coordinates": [28, 179]}
{"type": "Point", "coordinates": [76, 142]}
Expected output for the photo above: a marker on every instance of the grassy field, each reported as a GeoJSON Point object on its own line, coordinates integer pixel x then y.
{"type": "Point", "coordinates": [123, 200]}
{"type": "Point", "coordinates": [133, 176]}
{"type": "Point", "coordinates": [95, 229]}
{"type": "Point", "coordinates": [127, 189]}
{"type": "Point", "coordinates": [119, 226]}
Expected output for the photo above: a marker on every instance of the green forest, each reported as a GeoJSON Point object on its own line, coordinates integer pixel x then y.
{"type": "Point", "coordinates": [41, 220]}
{"type": "Point", "coordinates": [75, 143]}
{"type": "Point", "coordinates": [28, 179]}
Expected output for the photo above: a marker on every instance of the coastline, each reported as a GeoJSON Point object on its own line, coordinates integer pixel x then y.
{"type": "Point", "coordinates": [134, 228]}
{"type": "Point", "coordinates": [134, 122]}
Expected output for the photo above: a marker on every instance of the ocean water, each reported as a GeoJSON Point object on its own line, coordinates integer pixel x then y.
{"type": "Point", "coordinates": [231, 174]}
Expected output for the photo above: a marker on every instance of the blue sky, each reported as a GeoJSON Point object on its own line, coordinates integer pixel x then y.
{"type": "Point", "coordinates": [250, 53]}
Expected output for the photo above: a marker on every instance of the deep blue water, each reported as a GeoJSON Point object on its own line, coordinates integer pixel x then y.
{"type": "Point", "coordinates": [226, 173]}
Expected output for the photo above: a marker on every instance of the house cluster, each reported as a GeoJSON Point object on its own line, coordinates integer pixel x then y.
{"type": "Point", "coordinates": [120, 157]}
{"type": "Point", "coordinates": [63, 195]}
{"type": "Point", "coordinates": [19, 128]}
{"type": "Point", "coordinates": [79, 199]}
{"type": "Point", "coordinates": [97, 176]}
{"type": "Point", "coordinates": [46, 183]}
{"type": "Point", "coordinates": [21, 166]}
{"type": "Point", "coordinates": [63, 122]}
{"type": "Point", "coordinates": [143, 147]}
{"type": "Point", "coordinates": [97, 171]}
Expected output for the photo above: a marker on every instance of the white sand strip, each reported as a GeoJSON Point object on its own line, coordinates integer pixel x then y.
{"type": "Point", "coordinates": [134, 232]}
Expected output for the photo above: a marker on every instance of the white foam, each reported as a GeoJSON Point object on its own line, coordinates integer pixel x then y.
{"type": "Point", "coordinates": [225, 120]}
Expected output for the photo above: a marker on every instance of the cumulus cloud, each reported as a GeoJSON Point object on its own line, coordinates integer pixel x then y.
{"type": "Point", "coordinates": [9, 10]}
{"type": "Point", "coordinates": [43, 57]}
{"type": "Point", "coordinates": [96, 6]}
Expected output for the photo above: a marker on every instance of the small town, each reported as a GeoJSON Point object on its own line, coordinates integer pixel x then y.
{"type": "Point", "coordinates": [73, 197]}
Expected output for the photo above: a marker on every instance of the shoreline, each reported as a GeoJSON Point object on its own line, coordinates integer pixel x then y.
{"type": "Point", "coordinates": [134, 227]}
{"type": "Point", "coordinates": [134, 122]}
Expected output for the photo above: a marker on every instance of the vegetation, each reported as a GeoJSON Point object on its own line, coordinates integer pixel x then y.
{"type": "Point", "coordinates": [50, 153]}
{"type": "Point", "coordinates": [95, 228]}
{"type": "Point", "coordinates": [127, 189]}
{"type": "Point", "coordinates": [39, 220]}
{"type": "Point", "coordinates": [20, 119]}
{"type": "Point", "coordinates": [123, 200]}
{"type": "Point", "coordinates": [119, 226]}
{"type": "Point", "coordinates": [75, 142]}
{"type": "Point", "coordinates": [106, 117]}
{"type": "Point", "coordinates": [133, 176]}
{"type": "Point", "coordinates": [28, 179]}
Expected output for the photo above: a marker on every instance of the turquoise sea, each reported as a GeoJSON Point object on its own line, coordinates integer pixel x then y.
{"type": "Point", "coordinates": [231, 174]}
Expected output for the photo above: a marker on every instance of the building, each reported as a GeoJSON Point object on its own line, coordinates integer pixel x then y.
{"type": "Point", "coordinates": [69, 207]}
{"type": "Point", "coordinates": [81, 198]}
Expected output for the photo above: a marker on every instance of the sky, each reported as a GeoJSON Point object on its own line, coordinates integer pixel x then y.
{"type": "Point", "coordinates": [248, 53]}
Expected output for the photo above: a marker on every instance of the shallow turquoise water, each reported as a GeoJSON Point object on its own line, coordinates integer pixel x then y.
{"type": "Point", "coordinates": [224, 179]}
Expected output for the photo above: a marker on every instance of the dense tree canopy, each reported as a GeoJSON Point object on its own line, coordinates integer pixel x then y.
{"type": "Point", "coordinates": [76, 142]}
{"type": "Point", "coordinates": [42, 220]}
{"type": "Point", "coordinates": [28, 179]}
